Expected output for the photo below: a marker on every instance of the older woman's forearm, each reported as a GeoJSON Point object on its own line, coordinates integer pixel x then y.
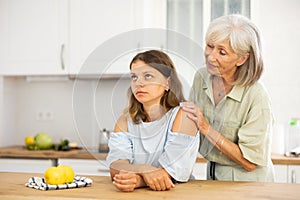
{"type": "Point", "coordinates": [229, 148]}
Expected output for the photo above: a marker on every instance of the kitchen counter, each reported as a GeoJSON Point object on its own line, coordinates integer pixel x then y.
{"type": "Point", "coordinates": [12, 187]}
{"type": "Point", "coordinates": [285, 160]}
{"type": "Point", "coordinates": [22, 152]}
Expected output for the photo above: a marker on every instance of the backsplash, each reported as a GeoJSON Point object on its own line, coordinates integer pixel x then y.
{"type": "Point", "coordinates": [24, 101]}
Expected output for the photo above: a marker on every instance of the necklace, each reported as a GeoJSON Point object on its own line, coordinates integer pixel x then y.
{"type": "Point", "coordinates": [221, 89]}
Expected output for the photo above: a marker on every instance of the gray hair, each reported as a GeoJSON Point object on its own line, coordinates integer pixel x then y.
{"type": "Point", "coordinates": [244, 37]}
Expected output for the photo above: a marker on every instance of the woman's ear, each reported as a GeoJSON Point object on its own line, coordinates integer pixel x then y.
{"type": "Point", "coordinates": [243, 59]}
{"type": "Point", "coordinates": [168, 84]}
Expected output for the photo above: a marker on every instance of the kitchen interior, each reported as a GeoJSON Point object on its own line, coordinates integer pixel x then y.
{"type": "Point", "coordinates": [46, 43]}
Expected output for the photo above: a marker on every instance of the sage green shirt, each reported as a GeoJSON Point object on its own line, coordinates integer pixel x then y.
{"type": "Point", "coordinates": [242, 116]}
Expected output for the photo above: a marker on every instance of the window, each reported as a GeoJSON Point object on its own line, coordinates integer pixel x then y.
{"type": "Point", "coordinates": [225, 7]}
{"type": "Point", "coordinates": [191, 17]}
{"type": "Point", "coordinates": [185, 17]}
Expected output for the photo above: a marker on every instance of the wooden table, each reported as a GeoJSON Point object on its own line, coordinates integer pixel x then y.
{"type": "Point", "coordinates": [12, 187]}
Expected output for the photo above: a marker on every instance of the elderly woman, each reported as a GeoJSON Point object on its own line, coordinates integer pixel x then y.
{"type": "Point", "coordinates": [230, 107]}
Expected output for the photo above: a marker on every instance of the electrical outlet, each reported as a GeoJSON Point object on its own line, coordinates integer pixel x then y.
{"type": "Point", "coordinates": [48, 115]}
{"type": "Point", "coordinates": [39, 115]}
{"type": "Point", "coordinates": [44, 115]}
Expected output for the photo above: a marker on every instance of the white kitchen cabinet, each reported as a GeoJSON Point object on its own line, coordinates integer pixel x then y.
{"type": "Point", "coordinates": [55, 37]}
{"type": "Point", "coordinates": [99, 167]}
{"type": "Point", "coordinates": [80, 166]}
{"type": "Point", "coordinates": [294, 174]}
{"type": "Point", "coordinates": [95, 24]}
{"type": "Point", "coordinates": [86, 167]}
{"type": "Point", "coordinates": [287, 173]}
{"type": "Point", "coordinates": [24, 165]}
{"type": "Point", "coordinates": [33, 37]}
{"type": "Point", "coordinates": [281, 173]}
{"type": "Point", "coordinates": [92, 22]}
{"type": "Point", "coordinates": [199, 171]}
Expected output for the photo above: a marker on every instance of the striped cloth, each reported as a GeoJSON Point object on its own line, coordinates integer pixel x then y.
{"type": "Point", "coordinates": [40, 184]}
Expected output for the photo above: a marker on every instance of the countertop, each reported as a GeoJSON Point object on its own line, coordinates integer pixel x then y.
{"type": "Point", "coordinates": [12, 187]}
{"type": "Point", "coordinates": [22, 152]}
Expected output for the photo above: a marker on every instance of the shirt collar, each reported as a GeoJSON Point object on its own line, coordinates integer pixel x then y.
{"type": "Point", "coordinates": [237, 93]}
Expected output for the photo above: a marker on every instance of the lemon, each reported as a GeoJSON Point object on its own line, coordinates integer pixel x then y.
{"type": "Point", "coordinates": [54, 175]}
{"type": "Point", "coordinates": [29, 140]}
{"type": "Point", "coordinates": [69, 173]}
{"type": "Point", "coordinates": [59, 175]}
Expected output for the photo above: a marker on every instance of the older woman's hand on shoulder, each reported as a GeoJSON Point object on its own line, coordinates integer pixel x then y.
{"type": "Point", "coordinates": [196, 115]}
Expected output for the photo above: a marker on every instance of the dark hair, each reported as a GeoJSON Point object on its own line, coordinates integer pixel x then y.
{"type": "Point", "coordinates": [171, 98]}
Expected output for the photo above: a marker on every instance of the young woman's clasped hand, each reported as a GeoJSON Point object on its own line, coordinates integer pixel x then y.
{"type": "Point", "coordinates": [127, 182]}
{"type": "Point", "coordinates": [158, 180]}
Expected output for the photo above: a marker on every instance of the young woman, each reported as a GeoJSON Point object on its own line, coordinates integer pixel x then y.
{"type": "Point", "coordinates": [154, 143]}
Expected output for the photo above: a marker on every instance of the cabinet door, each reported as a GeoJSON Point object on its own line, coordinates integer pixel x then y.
{"type": "Point", "coordinates": [24, 165]}
{"type": "Point", "coordinates": [281, 173]}
{"type": "Point", "coordinates": [87, 167]}
{"type": "Point", "coordinates": [32, 37]}
{"type": "Point", "coordinates": [294, 174]}
{"type": "Point", "coordinates": [199, 171]}
{"type": "Point", "coordinates": [94, 23]}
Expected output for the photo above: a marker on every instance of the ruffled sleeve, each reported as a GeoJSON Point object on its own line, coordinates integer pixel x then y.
{"type": "Point", "coordinates": [120, 147]}
{"type": "Point", "coordinates": [179, 155]}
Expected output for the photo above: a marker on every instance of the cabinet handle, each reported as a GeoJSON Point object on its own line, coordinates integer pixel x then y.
{"type": "Point", "coordinates": [62, 60]}
{"type": "Point", "coordinates": [293, 176]}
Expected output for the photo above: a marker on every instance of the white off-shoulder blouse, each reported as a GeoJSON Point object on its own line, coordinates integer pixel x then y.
{"type": "Point", "coordinates": [155, 144]}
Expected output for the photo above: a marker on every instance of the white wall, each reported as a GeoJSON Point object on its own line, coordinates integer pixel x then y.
{"type": "Point", "coordinates": [1, 111]}
{"type": "Point", "coordinates": [279, 23]}
{"type": "Point", "coordinates": [23, 100]}
{"type": "Point", "coordinates": [7, 111]}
